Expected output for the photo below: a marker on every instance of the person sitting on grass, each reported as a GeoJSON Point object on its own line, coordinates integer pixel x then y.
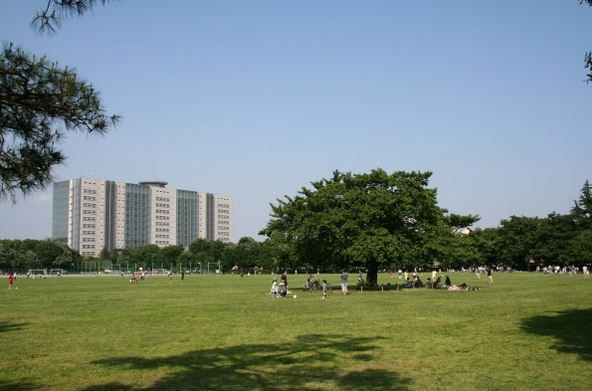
{"type": "Point", "coordinates": [417, 283]}
{"type": "Point", "coordinates": [283, 291]}
{"type": "Point", "coordinates": [429, 284]}
{"type": "Point", "coordinates": [274, 288]}
{"type": "Point", "coordinates": [447, 282]}
{"type": "Point", "coordinates": [407, 283]}
{"type": "Point", "coordinates": [436, 284]}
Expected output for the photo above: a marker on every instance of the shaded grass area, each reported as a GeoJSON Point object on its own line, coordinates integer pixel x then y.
{"type": "Point", "coordinates": [307, 362]}
{"type": "Point", "coordinates": [571, 329]}
{"type": "Point", "coordinates": [9, 326]}
{"type": "Point", "coordinates": [527, 331]}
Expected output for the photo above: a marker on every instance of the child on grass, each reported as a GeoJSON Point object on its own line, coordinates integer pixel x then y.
{"type": "Point", "coordinates": [274, 288]}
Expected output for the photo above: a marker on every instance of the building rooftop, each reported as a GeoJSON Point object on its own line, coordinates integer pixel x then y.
{"type": "Point", "coordinates": [154, 183]}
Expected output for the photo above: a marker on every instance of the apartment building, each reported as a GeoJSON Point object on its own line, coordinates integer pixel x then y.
{"type": "Point", "coordinates": [90, 215]}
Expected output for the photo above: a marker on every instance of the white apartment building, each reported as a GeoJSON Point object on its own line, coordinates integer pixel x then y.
{"type": "Point", "coordinates": [90, 215]}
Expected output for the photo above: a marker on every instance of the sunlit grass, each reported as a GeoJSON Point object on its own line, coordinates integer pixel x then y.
{"type": "Point", "coordinates": [527, 331]}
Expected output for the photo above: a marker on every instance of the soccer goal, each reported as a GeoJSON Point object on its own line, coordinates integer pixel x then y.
{"type": "Point", "coordinates": [159, 272]}
{"type": "Point", "coordinates": [37, 272]}
{"type": "Point", "coordinates": [56, 272]}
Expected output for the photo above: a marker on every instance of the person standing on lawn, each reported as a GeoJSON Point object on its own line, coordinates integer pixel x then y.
{"type": "Point", "coordinates": [284, 279]}
{"type": "Point", "coordinates": [344, 282]}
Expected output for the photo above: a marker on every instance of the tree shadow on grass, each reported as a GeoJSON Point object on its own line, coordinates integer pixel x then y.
{"type": "Point", "coordinates": [572, 330]}
{"type": "Point", "coordinates": [9, 326]}
{"type": "Point", "coordinates": [310, 362]}
{"type": "Point", "coordinates": [110, 387]}
{"type": "Point", "coordinates": [18, 386]}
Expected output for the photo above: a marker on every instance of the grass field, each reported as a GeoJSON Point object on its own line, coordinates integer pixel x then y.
{"type": "Point", "coordinates": [527, 331]}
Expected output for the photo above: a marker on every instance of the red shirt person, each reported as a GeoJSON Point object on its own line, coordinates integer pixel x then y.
{"type": "Point", "coordinates": [10, 280]}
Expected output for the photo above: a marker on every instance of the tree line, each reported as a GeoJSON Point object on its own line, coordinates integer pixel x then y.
{"type": "Point", "coordinates": [21, 255]}
{"type": "Point", "coordinates": [558, 239]}
{"type": "Point", "coordinates": [366, 221]}
{"type": "Point", "coordinates": [245, 255]}
{"type": "Point", "coordinates": [379, 220]}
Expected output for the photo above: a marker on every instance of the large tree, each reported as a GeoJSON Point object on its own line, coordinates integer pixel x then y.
{"type": "Point", "coordinates": [205, 250]}
{"type": "Point", "coordinates": [581, 248]}
{"type": "Point", "coordinates": [364, 220]}
{"type": "Point", "coordinates": [582, 209]}
{"type": "Point", "coordinates": [519, 240]}
{"type": "Point", "coordinates": [40, 101]}
{"type": "Point", "coordinates": [486, 243]}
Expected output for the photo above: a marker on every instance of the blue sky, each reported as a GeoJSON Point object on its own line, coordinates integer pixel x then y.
{"type": "Point", "coordinates": [258, 98]}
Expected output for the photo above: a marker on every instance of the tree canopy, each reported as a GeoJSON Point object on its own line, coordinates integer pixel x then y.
{"type": "Point", "coordinates": [363, 220]}
{"type": "Point", "coordinates": [582, 209]}
{"type": "Point", "coordinates": [35, 254]}
{"type": "Point", "coordinates": [40, 101]}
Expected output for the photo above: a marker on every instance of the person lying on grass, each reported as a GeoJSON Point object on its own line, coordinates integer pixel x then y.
{"type": "Point", "coordinates": [462, 287]}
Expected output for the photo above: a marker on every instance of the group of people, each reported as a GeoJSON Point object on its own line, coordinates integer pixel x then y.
{"type": "Point", "coordinates": [571, 270]}
{"type": "Point", "coordinates": [312, 284]}
{"type": "Point", "coordinates": [141, 274]}
{"type": "Point", "coordinates": [279, 290]}
{"type": "Point", "coordinates": [434, 282]}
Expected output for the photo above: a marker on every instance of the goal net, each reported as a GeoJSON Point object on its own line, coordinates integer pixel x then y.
{"type": "Point", "coordinates": [37, 272]}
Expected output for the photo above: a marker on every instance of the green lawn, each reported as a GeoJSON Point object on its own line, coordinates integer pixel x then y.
{"type": "Point", "coordinates": [527, 331]}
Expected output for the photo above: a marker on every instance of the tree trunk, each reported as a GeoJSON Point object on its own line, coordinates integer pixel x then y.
{"type": "Point", "coordinates": [372, 274]}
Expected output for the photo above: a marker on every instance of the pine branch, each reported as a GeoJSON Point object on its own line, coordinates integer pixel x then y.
{"type": "Point", "coordinates": [50, 19]}
{"type": "Point", "coordinates": [39, 101]}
